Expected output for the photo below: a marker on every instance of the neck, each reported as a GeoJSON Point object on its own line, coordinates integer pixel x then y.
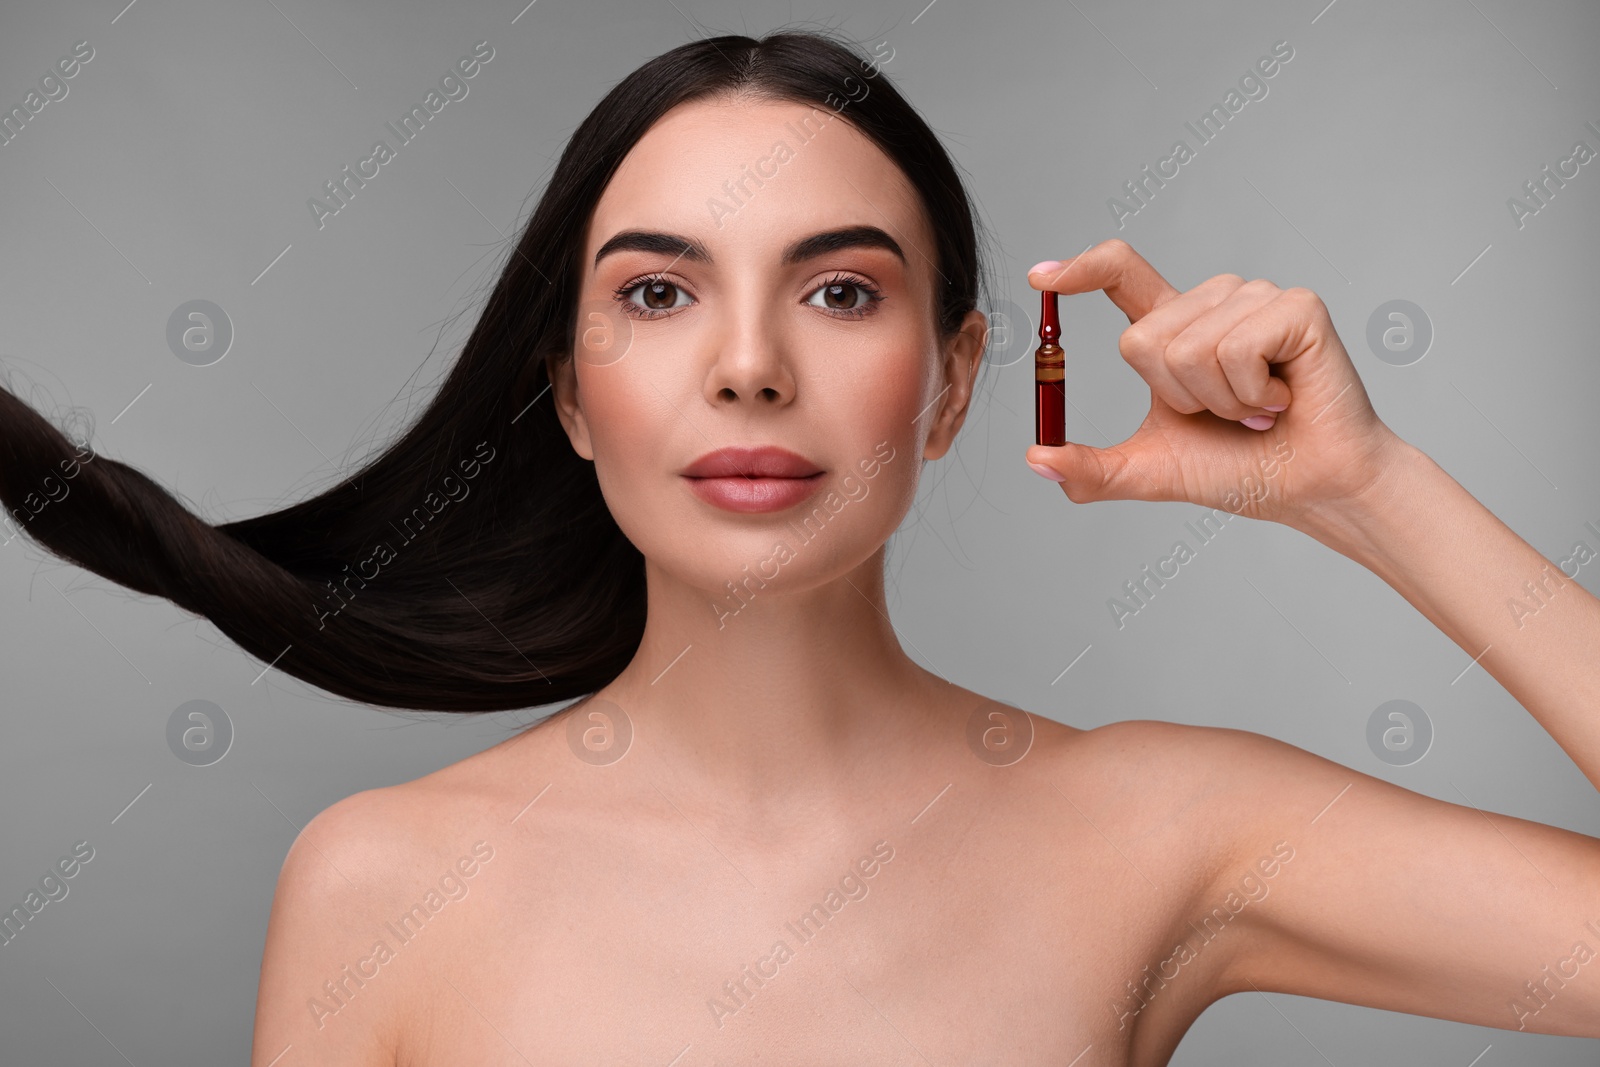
{"type": "Point", "coordinates": [790, 703]}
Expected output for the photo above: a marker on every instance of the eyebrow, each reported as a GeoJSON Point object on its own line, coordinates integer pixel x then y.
{"type": "Point", "coordinates": [805, 248]}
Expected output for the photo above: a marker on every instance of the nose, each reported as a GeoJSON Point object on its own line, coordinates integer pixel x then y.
{"type": "Point", "coordinates": [752, 361]}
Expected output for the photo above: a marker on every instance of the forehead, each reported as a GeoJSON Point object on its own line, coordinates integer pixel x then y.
{"type": "Point", "coordinates": [738, 172]}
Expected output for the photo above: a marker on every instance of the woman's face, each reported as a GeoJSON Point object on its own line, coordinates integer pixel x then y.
{"type": "Point", "coordinates": [755, 337]}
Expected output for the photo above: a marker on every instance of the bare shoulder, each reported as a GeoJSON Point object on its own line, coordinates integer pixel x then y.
{"type": "Point", "coordinates": [1239, 781]}
{"type": "Point", "coordinates": [1176, 758]}
{"type": "Point", "coordinates": [1165, 755]}
{"type": "Point", "coordinates": [323, 887]}
{"type": "Point", "coordinates": [358, 882]}
{"type": "Point", "coordinates": [1200, 795]}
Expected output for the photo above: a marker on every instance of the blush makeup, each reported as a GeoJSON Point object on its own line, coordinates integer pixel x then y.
{"type": "Point", "coordinates": [1049, 376]}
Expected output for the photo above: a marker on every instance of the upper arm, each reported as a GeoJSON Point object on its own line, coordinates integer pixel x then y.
{"type": "Point", "coordinates": [312, 1000]}
{"type": "Point", "coordinates": [1392, 899]}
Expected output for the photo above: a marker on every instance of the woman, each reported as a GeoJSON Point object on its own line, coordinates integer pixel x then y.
{"type": "Point", "coordinates": [692, 413]}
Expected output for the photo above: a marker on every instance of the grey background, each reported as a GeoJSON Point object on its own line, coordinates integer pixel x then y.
{"type": "Point", "coordinates": [178, 167]}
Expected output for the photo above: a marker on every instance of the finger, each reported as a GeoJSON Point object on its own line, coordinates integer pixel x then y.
{"type": "Point", "coordinates": [1146, 344]}
{"type": "Point", "coordinates": [1231, 377]}
{"type": "Point", "coordinates": [1113, 266]}
{"type": "Point", "coordinates": [1087, 474]}
{"type": "Point", "coordinates": [1289, 326]}
{"type": "Point", "coordinates": [1248, 350]}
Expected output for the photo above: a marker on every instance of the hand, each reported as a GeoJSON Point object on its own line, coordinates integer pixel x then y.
{"type": "Point", "coordinates": [1222, 352]}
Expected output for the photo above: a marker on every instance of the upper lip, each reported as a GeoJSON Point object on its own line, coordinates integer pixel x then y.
{"type": "Point", "coordinates": [767, 461]}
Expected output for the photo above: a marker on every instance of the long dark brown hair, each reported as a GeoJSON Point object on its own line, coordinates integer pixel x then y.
{"type": "Point", "coordinates": [472, 565]}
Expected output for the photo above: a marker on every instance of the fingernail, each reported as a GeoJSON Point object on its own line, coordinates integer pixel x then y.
{"type": "Point", "coordinates": [1051, 265]}
{"type": "Point", "coordinates": [1046, 472]}
{"type": "Point", "coordinates": [1274, 407]}
{"type": "Point", "coordinates": [1259, 422]}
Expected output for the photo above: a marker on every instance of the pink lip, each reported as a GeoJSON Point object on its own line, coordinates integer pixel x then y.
{"type": "Point", "coordinates": [753, 479]}
{"type": "Point", "coordinates": [766, 461]}
{"type": "Point", "coordinates": [737, 493]}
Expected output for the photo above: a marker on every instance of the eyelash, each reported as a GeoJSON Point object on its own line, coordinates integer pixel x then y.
{"type": "Point", "coordinates": [874, 296]}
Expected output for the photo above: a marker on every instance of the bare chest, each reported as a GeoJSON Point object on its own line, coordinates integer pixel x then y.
{"type": "Point", "coordinates": [971, 935]}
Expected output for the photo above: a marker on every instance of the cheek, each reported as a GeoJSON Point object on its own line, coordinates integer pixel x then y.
{"type": "Point", "coordinates": [880, 419]}
{"type": "Point", "coordinates": [627, 419]}
{"type": "Point", "coordinates": [889, 402]}
{"type": "Point", "coordinates": [633, 440]}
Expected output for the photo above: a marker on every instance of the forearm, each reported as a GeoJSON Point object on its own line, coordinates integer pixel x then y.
{"type": "Point", "coordinates": [1524, 621]}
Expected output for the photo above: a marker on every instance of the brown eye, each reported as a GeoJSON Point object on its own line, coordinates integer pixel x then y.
{"type": "Point", "coordinates": [658, 298]}
{"type": "Point", "coordinates": [850, 298]}
{"type": "Point", "coordinates": [839, 296]}
{"type": "Point", "coordinates": [659, 295]}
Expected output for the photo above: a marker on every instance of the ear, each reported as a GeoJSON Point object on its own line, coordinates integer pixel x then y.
{"type": "Point", "coordinates": [963, 357]}
{"type": "Point", "coordinates": [563, 374]}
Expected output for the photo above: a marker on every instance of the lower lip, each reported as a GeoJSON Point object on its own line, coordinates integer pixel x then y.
{"type": "Point", "coordinates": [755, 494]}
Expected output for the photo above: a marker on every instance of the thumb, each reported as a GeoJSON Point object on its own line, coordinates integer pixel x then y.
{"type": "Point", "coordinates": [1088, 474]}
